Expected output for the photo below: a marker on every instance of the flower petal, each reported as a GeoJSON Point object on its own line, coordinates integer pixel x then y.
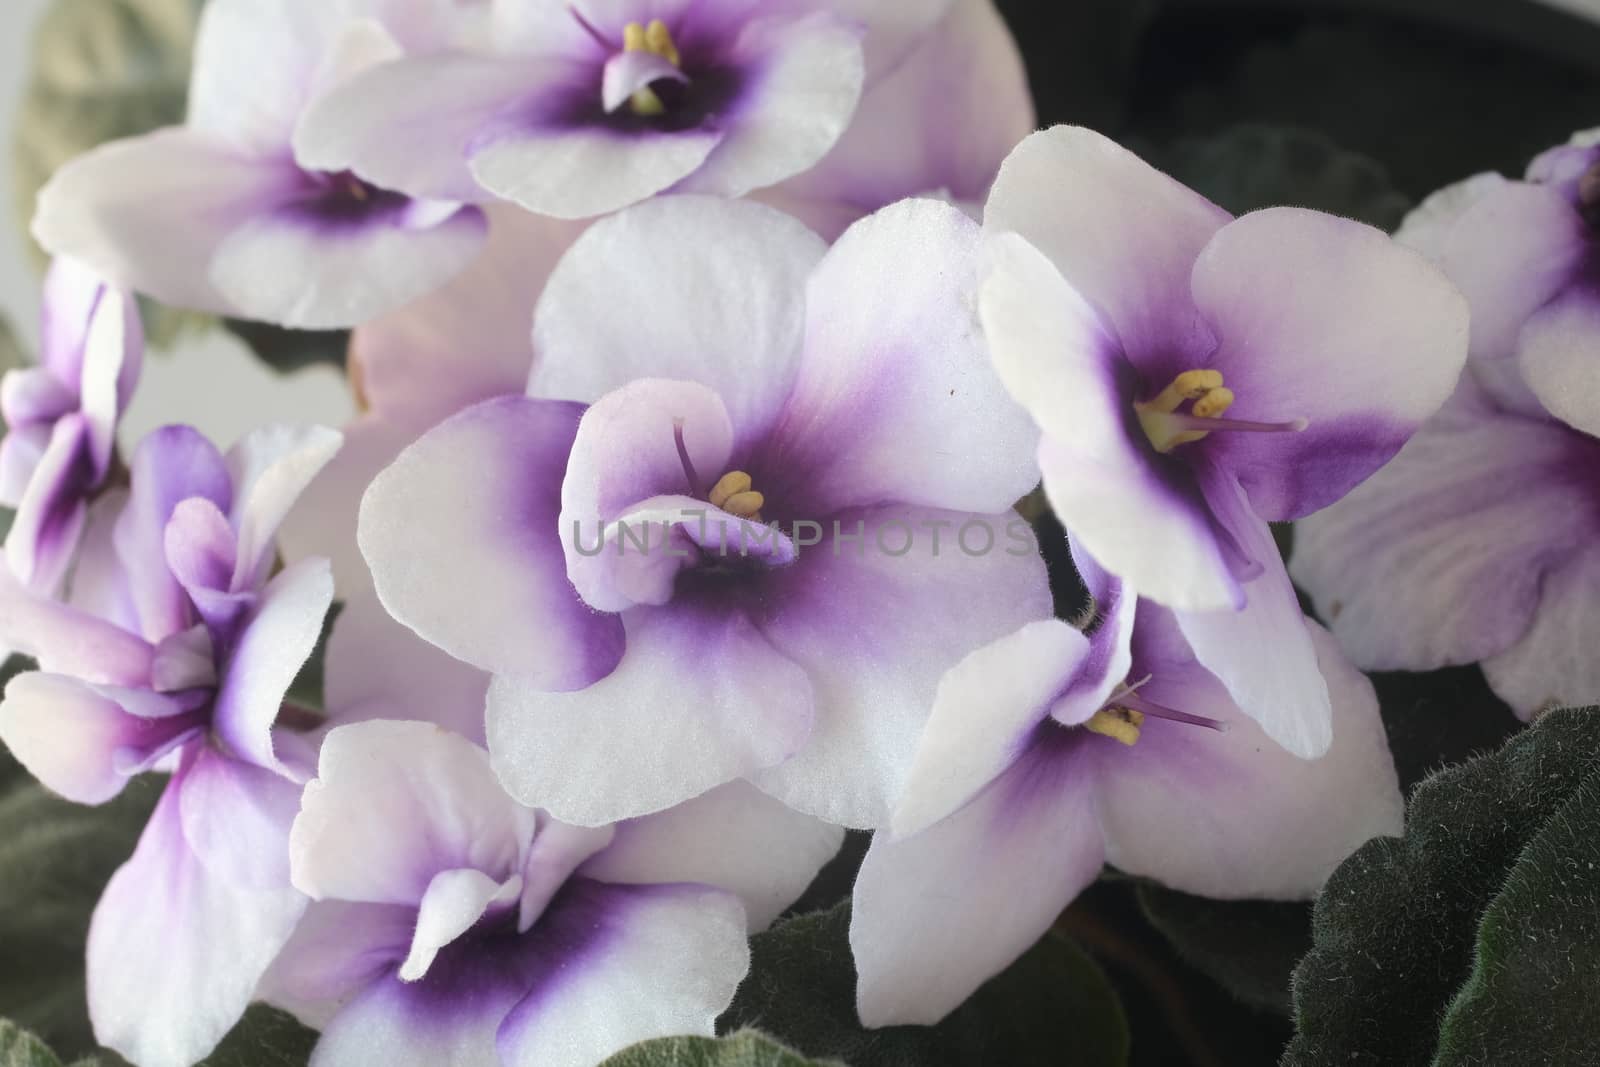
{"type": "Point", "coordinates": [875, 625]}
{"type": "Point", "coordinates": [148, 213]}
{"type": "Point", "coordinates": [277, 638]}
{"type": "Point", "coordinates": [175, 953]}
{"type": "Point", "coordinates": [338, 949]}
{"type": "Point", "coordinates": [657, 261]}
{"type": "Point", "coordinates": [1123, 234]}
{"type": "Point", "coordinates": [68, 640]}
{"type": "Point", "coordinates": [1232, 815]}
{"type": "Point", "coordinates": [454, 902]}
{"type": "Point", "coordinates": [1262, 653]}
{"type": "Point", "coordinates": [270, 468]}
{"type": "Point", "coordinates": [236, 818]}
{"type": "Point", "coordinates": [1309, 312]}
{"type": "Point", "coordinates": [895, 377]}
{"type": "Point", "coordinates": [441, 101]}
{"type": "Point", "coordinates": [578, 170]}
{"type": "Point", "coordinates": [488, 478]}
{"type": "Point", "coordinates": [1557, 359]}
{"type": "Point", "coordinates": [1513, 250]}
{"type": "Point", "coordinates": [939, 913]}
{"type": "Point", "coordinates": [735, 837]}
{"type": "Point", "coordinates": [808, 83]}
{"type": "Point", "coordinates": [700, 698]}
{"type": "Point", "coordinates": [672, 954]}
{"type": "Point", "coordinates": [76, 738]}
{"type": "Point", "coordinates": [985, 715]}
{"type": "Point", "coordinates": [170, 465]}
{"type": "Point", "coordinates": [307, 268]}
{"type": "Point", "coordinates": [1142, 518]}
{"type": "Point", "coordinates": [395, 803]}
{"type": "Point", "coordinates": [1434, 560]}
{"type": "Point", "coordinates": [944, 119]}
{"type": "Point", "coordinates": [1553, 664]}
{"type": "Point", "coordinates": [377, 669]}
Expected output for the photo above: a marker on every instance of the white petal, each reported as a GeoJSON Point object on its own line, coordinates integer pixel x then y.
{"type": "Point", "coordinates": [454, 902]}
{"type": "Point", "coordinates": [735, 838]}
{"type": "Point", "coordinates": [656, 262]}
{"type": "Point", "coordinates": [394, 804]}
{"type": "Point", "coordinates": [1554, 664]}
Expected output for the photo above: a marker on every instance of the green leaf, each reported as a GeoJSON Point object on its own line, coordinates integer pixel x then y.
{"type": "Point", "coordinates": [18, 1048]}
{"type": "Point", "coordinates": [1249, 947]}
{"type": "Point", "coordinates": [747, 1048]}
{"type": "Point", "coordinates": [1482, 919]}
{"type": "Point", "coordinates": [102, 70]}
{"type": "Point", "coordinates": [1052, 1006]}
{"type": "Point", "coordinates": [55, 858]}
{"type": "Point", "coordinates": [1252, 165]}
{"type": "Point", "coordinates": [265, 1037]}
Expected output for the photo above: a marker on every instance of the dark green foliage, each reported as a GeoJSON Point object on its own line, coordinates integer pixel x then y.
{"type": "Point", "coordinates": [747, 1048]}
{"type": "Point", "coordinates": [1482, 919]}
{"type": "Point", "coordinates": [1053, 1006]}
{"type": "Point", "coordinates": [1249, 947]}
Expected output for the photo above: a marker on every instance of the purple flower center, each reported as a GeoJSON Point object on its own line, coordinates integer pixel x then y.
{"type": "Point", "coordinates": [1167, 425]}
{"type": "Point", "coordinates": [343, 200]}
{"type": "Point", "coordinates": [1123, 717]}
{"type": "Point", "coordinates": [655, 80]}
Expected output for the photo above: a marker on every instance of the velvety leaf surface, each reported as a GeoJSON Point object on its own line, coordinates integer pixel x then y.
{"type": "Point", "coordinates": [1535, 983]}
{"type": "Point", "coordinates": [18, 1048]}
{"type": "Point", "coordinates": [747, 1048]}
{"type": "Point", "coordinates": [1489, 844]}
{"type": "Point", "coordinates": [55, 858]}
{"type": "Point", "coordinates": [1249, 947]}
{"type": "Point", "coordinates": [1051, 1007]}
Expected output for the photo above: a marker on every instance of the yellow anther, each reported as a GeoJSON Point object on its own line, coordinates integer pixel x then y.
{"type": "Point", "coordinates": [745, 505]}
{"type": "Point", "coordinates": [729, 485]}
{"type": "Point", "coordinates": [657, 40]}
{"type": "Point", "coordinates": [1120, 724]}
{"type": "Point", "coordinates": [1210, 400]}
{"type": "Point", "coordinates": [1214, 404]}
{"type": "Point", "coordinates": [1190, 385]}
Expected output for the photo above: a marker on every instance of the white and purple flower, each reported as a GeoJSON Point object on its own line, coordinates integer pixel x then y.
{"type": "Point", "coordinates": [1051, 753]}
{"type": "Point", "coordinates": [1478, 543]}
{"type": "Point", "coordinates": [220, 215]}
{"type": "Point", "coordinates": [845, 396]}
{"type": "Point", "coordinates": [1197, 376]}
{"type": "Point", "coordinates": [61, 421]}
{"type": "Point", "coordinates": [455, 927]}
{"type": "Point", "coordinates": [175, 653]}
{"type": "Point", "coordinates": [584, 108]}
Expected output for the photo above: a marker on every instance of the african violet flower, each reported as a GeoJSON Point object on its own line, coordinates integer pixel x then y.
{"type": "Point", "coordinates": [1051, 753]}
{"type": "Point", "coordinates": [184, 669]}
{"type": "Point", "coordinates": [455, 926]}
{"type": "Point", "coordinates": [219, 214]}
{"type": "Point", "coordinates": [1479, 541]}
{"type": "Point", "coordinates": [586, 107]}
{"type": "Point", "coordinates": [845, 396]}
{"type": "Point", "coordinates": [1195, 375]}
{"type": "Point", "coordinates": [61, 420]}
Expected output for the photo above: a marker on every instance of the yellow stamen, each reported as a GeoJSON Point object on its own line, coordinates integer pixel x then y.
{"type": "Point", "coordinates": [1190, 385]}
{"type": "Point", "coordinates": [1120, 724]}
{"type": "Point", "coordinates": [657, 40]}
{"type": "Point", "coordinates": [1210, 398]}
{"type": "Point", "coordinates": [745, 505]}
{"type": "Point", "coordinates": [731, 484]}
{"type": "Point", "coordinates": [733, 494]}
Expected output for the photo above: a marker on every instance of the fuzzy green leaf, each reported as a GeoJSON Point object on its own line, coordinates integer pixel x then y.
{"type": "Point", "coordinates": [1052, 1006]}
{"type": "Point", "coordinates": [747, 1048]}
{"type": "Point", "coordinates": [1481, 919]}
{"type": "Point", "coordinates": [18, 1048]}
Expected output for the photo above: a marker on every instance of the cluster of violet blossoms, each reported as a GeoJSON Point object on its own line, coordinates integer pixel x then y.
{"type": "Point", "coordinates": [704, 348]}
